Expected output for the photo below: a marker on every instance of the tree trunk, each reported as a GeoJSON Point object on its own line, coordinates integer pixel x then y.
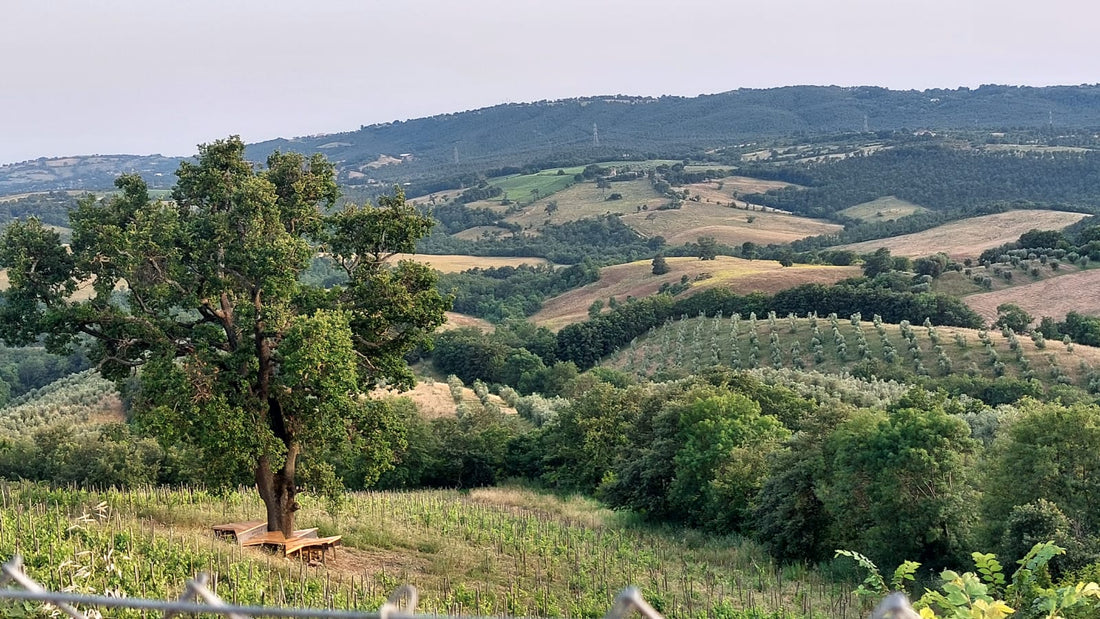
{"type": "Point", "coordinates": [278, 491]}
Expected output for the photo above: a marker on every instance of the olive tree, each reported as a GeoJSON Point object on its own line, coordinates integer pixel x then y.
{"type": "Point", "coordinates": [199, 301]}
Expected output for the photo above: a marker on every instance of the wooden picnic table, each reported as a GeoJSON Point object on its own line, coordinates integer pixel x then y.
{"type": "Point", "coordinates": [304, 542]}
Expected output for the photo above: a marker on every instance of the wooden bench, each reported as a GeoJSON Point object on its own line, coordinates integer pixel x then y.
{"type": "Point", "coordinates": [307, 546]}
{"type": "Point", "coordinates": [303, 541]}
{"type": "Point", "coordinates": [240, 531]}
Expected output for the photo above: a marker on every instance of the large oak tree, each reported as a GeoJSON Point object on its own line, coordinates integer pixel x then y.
{"type": "Point", "coordinates": [200, 300]}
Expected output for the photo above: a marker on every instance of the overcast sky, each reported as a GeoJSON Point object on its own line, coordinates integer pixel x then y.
{"type": "Point", "coordinates": [159, 76]}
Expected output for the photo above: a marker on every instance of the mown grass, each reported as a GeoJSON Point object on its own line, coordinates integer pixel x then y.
{"type": "Point", "coordinates": [731, 226]}
{"type": "Point", "coordinates": [971, 236]}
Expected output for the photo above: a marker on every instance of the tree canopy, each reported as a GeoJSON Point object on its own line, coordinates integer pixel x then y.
{"type": "Point", "coordinates": [200, 299]}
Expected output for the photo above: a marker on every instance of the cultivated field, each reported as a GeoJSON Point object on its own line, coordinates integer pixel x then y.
{"type": "Point", "coordinates": [1054, 296]}
{"type": "Point", "coordinates": [433, 398]}
{"type": "Point", "coordinates": [970, 237]}
{"type": "Point", "coordinates": [454, 263]}
{"type": "Point", "coordinates": [84, 400]}
{"type": "Point", "coordinates": [19, 196]}
{"type": "Point", "coordinates": [730, 226]}
{"type": "Point", "coordinates": [887, 208]}
{"type": "Point", "coordinates": [636, 279]}
{"type": "Point", "coordinates": [487, 552]}
{"type": "Point", "coordinates": [902, 350]}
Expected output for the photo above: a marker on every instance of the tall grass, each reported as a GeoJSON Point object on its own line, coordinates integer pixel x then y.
{"type": "Point", "coordinates": [505, 551]}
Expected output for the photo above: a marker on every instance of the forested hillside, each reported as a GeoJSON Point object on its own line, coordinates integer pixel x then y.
{"type": "Point", "coordinates": [936, 177]}
{"type": "Point", "coordinates": [512, 133]}
{"type": "Point", "coordinates": [566, 131]}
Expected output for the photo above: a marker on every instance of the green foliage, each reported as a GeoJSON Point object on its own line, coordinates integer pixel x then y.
{"type": "Point", "coordinates": [990, 570]}
{"type": "Point", "coordinates": [1041, 521]}
{"type": "Point", "coordinates": [897, 482]}
{"type": "Point", "coordinates": [660, 265]}
{"type": "Point", "coordinates": [721, 463]}
{"type": "Point", "coordinates": [1050, 452]}
{"type": "Point", "coordinates": [964, 596]}
{"type": "Point", "coordinates": [239, 359]}
{"type": "Point", "coordinates": [582, 445]}
{"type": "Point", "coordinates": [1011, 316]}
{"type": "Point", "coordinates": [873, 584]}
{"type": "Point", "coordinates": [707, 247]}
{"type": "Point", "coordinates": [877, 263]}
{"type": "Point", "coordinates": [970, 595]}
{"type": "Point", "coordinates": [468, 354]}
{"type": "Point", "coordinates": [512, 292]}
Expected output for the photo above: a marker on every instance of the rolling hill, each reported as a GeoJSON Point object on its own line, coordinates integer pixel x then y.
{"type": "Point", "coordinates": [635, 279]}
{"type": "Point", "coordinates": [1053, 296]}
{"type": "Point", "coordinates": [889, 350]}
{"type": "Point", "coordinates": [731, 226]}
{"type": "Point", "coordinates": [967, 238]}
{"type": "Point", "coordinates": [560, 131]}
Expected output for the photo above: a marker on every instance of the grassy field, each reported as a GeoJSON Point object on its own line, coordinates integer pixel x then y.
{"type": "Point", "coordinates": [696, 343]}
{"type": "Point", "coordinates": [959, 284]}
{"type": "Point", "coordinates": [727, 191]}
{"type": "Point", "coordinates": [479, 232]}
{"type": "Point", "coordinates": [455, 320]}
{"type": "Point", "coordinates": [438, 197]}
{"type": "Point", "coordinates": [636, 279]}
{"type": "Point", "coordinates": [526, 188]}
{"type": "Point", "coordinates": [732, 226]}
{"type": "Point", "coordinates": [489, 552]}
{"type": "Point", "coordinates": [585, 200]}
{"type": "Point", "coordinates": [730, 187]}
{"type": "Point", "coordinates": [887, 208]}
{"type": "Point", "coordinates": [454, 263]}
{"type": "Point", "coordinates": [1052, 296]}
{"type": "Point", "coordinates": [970, 237]}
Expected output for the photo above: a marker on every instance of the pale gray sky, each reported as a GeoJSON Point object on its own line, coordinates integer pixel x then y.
{"type": "Point", "coordinates": [160, 76]}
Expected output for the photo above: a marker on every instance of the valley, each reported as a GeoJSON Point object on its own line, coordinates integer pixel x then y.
{"type": "Point", "coordinates": [699, 359]}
